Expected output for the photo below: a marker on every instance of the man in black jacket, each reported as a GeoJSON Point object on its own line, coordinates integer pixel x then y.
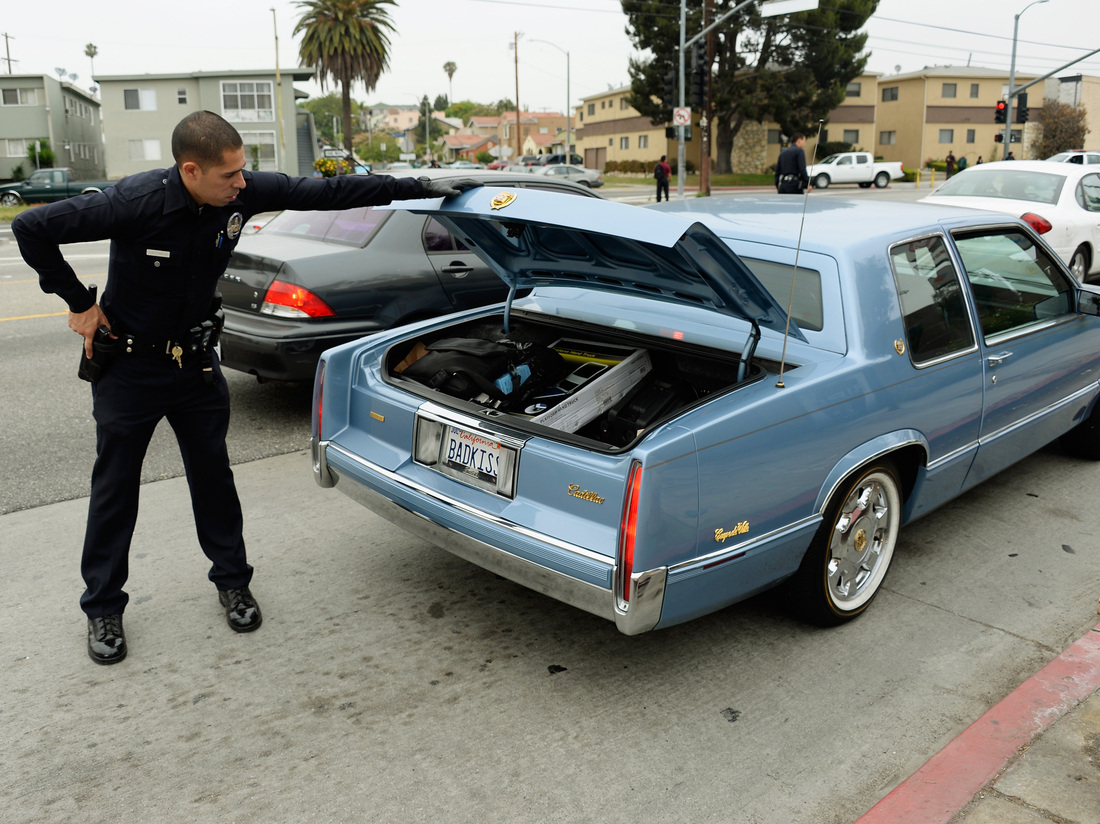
{"type": "Point", "coordinates": [172, 232]}
{"type": "Point", "coordinates": [790, 169]}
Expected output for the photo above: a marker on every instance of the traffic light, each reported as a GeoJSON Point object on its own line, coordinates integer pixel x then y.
{"type": "Point", "coordinates": [668, 89]}
{"type": "Point", "coordinates": [1022, 112]}
{"type": "Point", "coordinates": [700, 75]}
{"type": "Point", "coordinates": [999, 112]}
{"type": "Point", "coordinates": [998, 138]}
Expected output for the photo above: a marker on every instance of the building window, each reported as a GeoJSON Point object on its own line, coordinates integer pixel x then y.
{"type": "Point", "coordinates": [144, 149]}
{"type": "Point", "coordinates": [247, 101]}
{"type": "Point", "coordinates": [775, 137]}
{"type": "Point", "coordinates": [259, 149]}
{"type": "Point", "coordinates": [17, 147]}
{"type": "Point", "coordinates": [949, 89]}
{"type": "Point", "coordinates": [643, 141]}
{"type": "Point", "coordinates": [851, 136]}
{"type": "Point", "coordinates": [970, 135]}
{"type": "Point", "coordinates": [624, 103]}
{"type": "Point", "coordinates": [855, 89]}
{"type": "Point", "coordinates": [181, 96]}
{"type": "Point", "coordinates": [887, 138]}
{"type": "Point", "coordinates": [591, 108]}
{"type": "Point", "coordinates": [144, 100]}
{"type": "Point", "coordinates": [973, 90]}
{"type": "Point", "coordinates": [624, 142]}
{"type": "Point", "coordinates": [947, 135]}
{"type": "Point", "coordinates": [889, 93]}
{"type": "Point", "coordinates": [19, 97]}
{"type": "Point", "coordinates": [544, 130]}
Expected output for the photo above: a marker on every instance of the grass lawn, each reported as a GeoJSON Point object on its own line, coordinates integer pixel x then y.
{"type": "Point", "coordinates": [8, 213]}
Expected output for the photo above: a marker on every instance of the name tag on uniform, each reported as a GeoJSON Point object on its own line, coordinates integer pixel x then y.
{"type": "Point", "coordinates": [157, 253]}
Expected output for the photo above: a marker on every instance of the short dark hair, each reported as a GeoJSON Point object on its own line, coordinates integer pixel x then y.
{"type": "Point", "coordinates": [797, 136]}
{"type": "Point", "coordinates": [204, 137]}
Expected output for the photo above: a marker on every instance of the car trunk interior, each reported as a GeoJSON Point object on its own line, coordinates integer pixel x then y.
{"type": "Point", "coordinates": [576, 383]}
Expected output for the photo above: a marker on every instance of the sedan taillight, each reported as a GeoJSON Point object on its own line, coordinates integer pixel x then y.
{"type": "Point", "coordinates": [285, 300]}
{"type": "Point", "coordinates": [627, 533]}
{"type": "Point", "coordinates": [1037, 222]}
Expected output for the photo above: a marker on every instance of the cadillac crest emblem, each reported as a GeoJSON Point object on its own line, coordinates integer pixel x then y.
{"type": "Point", "coordinates": [502, 200]}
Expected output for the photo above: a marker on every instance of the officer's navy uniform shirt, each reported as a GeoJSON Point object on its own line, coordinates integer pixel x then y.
{"type": "Point", "coordinates": [167, 253]}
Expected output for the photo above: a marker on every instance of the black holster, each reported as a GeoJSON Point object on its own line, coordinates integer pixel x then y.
{"type": "Point", "coordinates": [103, 350]}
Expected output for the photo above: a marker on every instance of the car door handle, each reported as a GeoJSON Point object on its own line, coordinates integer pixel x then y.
{"type": "Point", "coordinates": [998, 359]}
{"type": "Point", "coordinates": [458, 269]}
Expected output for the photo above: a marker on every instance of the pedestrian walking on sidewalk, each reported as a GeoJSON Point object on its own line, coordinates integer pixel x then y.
{"type": "Point", "coordinates": [151, 340]}
{"type": "Point", "coordinates": [662, 171]}
{"type": "Point", "coordinates": [790, 169]}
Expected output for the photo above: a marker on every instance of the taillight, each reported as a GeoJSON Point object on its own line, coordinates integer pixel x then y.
{"type": "Point", "coordinates": [1037, 222]}
{"type": "Point", "coordinates": [627, 532]}
{"type": "Point", "coordinates": [285, 300]}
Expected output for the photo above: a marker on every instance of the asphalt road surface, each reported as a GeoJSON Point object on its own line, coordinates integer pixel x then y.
{"type": "Point", "coordinates": [392, 682]}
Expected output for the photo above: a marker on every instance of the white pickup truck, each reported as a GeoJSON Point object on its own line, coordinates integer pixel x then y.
{"type": "Point", "coordinates": [853, 167]}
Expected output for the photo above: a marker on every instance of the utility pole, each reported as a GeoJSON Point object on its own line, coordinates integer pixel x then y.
{"type": "Point", "coordinates": [704, 119]}
{"type": "Point", "coordinates": [7, 50]}
{"type": "Point", "coordinates": [519, 143]}
{"type": "Point", "coordinates": [278, 95]}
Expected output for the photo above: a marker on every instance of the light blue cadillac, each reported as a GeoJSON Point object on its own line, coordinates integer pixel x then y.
{"type": "Point", "coordinates": [662, 440]}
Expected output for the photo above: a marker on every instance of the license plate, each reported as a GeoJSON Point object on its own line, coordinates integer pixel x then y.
{"type": "Point", "coordinates": [471, 453]}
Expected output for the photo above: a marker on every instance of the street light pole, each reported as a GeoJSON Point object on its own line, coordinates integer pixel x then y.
{"type": "Point", "coordinates": [568, 99]}
{"type": "Point", "coordinates": [1012, 77]}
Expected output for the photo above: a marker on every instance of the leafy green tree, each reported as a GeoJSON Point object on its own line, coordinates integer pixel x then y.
{"type": "Point", "coordinates": [45, 157]}
{"type": "Point", "coordinates": [464, 110]}
{"type": "Point", "coordinates": [323, 108]}
{"type": "Point", "coordinates": [441, 103]}
{"type": "Point", "coordinates": [792, 69]}
{"type": "Point", "coordinates": [345, 40]}
{"type": "Point", "coordinates": [1063, 127]}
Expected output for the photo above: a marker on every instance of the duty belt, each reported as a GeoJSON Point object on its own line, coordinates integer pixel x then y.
{"type": "Point", "coordinates": [789, 177]}
{"type": "Point", "coordinates": [199, 343]}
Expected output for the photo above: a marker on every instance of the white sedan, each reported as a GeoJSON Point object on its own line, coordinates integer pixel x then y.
{"type": "Point", "coordinates": [1060, 201]}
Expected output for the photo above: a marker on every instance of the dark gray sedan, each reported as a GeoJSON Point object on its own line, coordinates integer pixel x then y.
{"type": "Point", "coordinates": [308, 281]}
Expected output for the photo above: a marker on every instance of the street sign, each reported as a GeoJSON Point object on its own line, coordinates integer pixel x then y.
{"type": "Point", "coordinates": [334, 153]}
{"type": "Point", "coordinates": [681, 116]}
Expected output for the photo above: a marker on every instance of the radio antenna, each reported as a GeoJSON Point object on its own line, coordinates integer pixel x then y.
{"type": "Point", "coordinates": [794, 271]}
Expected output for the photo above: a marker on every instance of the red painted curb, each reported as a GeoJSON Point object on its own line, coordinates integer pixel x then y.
{"type": "Point", "coordinates": [936, 792]}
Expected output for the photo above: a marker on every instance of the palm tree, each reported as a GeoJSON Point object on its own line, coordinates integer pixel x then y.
{"type": "Point", "coordinates": [450, 68]}
{"type": "Point", "coordinates": [345, 40]}
{"type": "Point", "coordinates": [90, 51]}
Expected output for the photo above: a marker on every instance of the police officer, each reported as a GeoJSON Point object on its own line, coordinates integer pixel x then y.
{"type": "Point", "coordinates": [790, 169]}
{"type": "Point", "coordinates": [172, 231]}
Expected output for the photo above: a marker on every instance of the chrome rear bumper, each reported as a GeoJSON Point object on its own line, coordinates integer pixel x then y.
{"type": "Point", "coordinates": [647, 588]}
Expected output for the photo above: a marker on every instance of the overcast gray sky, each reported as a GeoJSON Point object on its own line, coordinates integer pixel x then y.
{"type": "Point", "coordinates": [213, 35]}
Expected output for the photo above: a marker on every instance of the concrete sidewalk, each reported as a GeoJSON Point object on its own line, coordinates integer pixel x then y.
{"type": "Point", "coordinates": [1033, 758]}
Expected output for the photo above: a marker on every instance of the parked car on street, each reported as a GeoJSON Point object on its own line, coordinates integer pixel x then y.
{"type": "Point", "coordinates": [1079, 156]}
{"type": "Point", "coordinates": [560, 157]}
{"type": "Point", "coordinates": [305, 281]}
{"type": "Point", "coordinates": [647, 436]}
{"type": "Point", "coordinates": [465, 164]}
{"type": "Point", "coordinates": [854, 167]}
{"type": "Point", "coordinates": [578, 174]}
{"type": "Point", "coordinates": [1060, 201]}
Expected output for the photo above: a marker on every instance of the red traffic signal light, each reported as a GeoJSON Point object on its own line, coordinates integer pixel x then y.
{"type": "Point", "coordinates": [998, 138]}
{"type": "Point", "coordinates": [999, 112]}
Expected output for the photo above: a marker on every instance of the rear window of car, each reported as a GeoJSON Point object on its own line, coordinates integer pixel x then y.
{"type": "Point", "coordinates": [349, 227]}
{"type": "Point", "coordinates": [806, 304]}
{"type": "Point", "coordinates": [937, 322]}
{"type": "Point", "coordinates": [1040, 187]}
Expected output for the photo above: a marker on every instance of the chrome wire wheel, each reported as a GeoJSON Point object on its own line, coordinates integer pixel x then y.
{"type": "Point", "coordinates": [862, 540]}
{"type": "Point", "coordinates": [847, 561]}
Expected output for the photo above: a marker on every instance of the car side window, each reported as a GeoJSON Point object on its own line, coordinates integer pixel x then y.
{"type": "Point", "coordinates": [932, 303]}
{"type": "Point", "coordinates": [1015, 283]}
{"type": "Point", "coordinates": [438, 239]}
{"type": "Point", "coordinates": [1088, 193]}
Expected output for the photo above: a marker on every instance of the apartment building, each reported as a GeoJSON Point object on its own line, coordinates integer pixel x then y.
{"type": "Point", "coordinates": [140, 111]}
{"type": "Point", "coordinates": [926, 114]}
{"type": "Point", "coordinates": [37, 107]}
{"type": "Point", "coordinates": [610, 129]}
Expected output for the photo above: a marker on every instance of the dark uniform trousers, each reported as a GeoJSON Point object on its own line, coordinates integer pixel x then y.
{"type": "Point", "coordinates": [131, 398]}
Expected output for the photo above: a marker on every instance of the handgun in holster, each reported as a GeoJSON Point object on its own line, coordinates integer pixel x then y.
{"type": "Point", "coordinates": [103, 349]}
